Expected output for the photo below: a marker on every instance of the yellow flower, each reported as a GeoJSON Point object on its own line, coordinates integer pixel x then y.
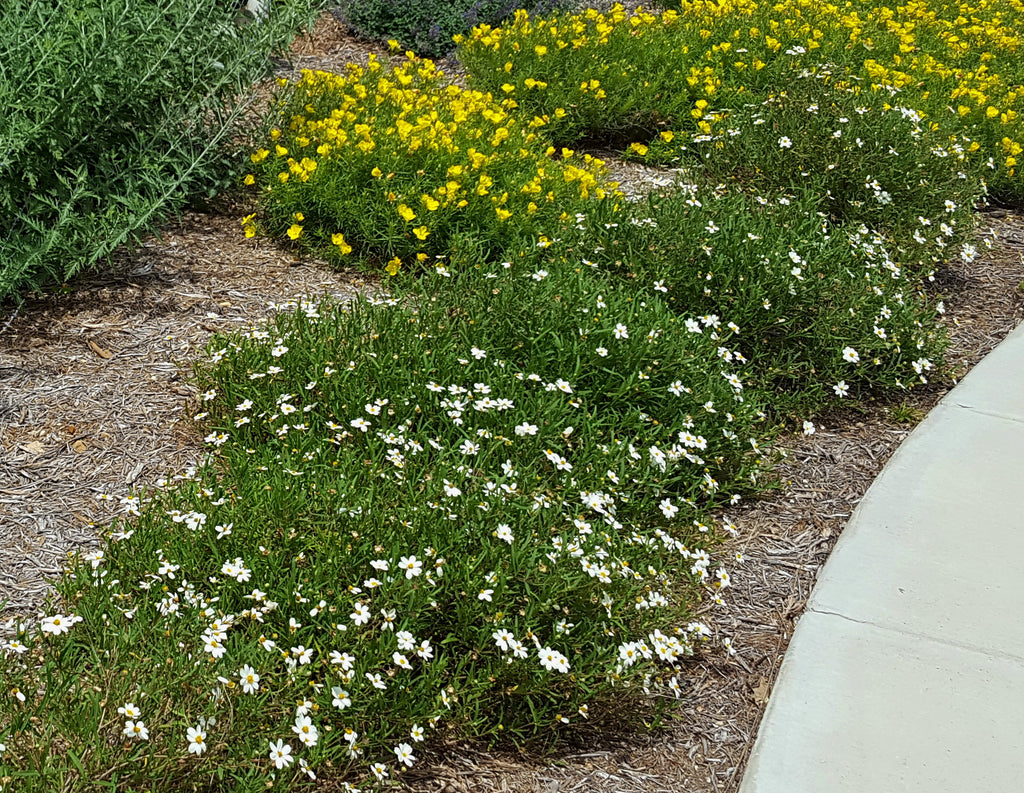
{"type": "Point", "coordinates": [281, 150]}
{"type": "Point", "coordinates": [339, 240]}
{"type": "Point", "coordinates": [376, 173]}
{"type": "Point", "coordinates": [541, 50]}
{"type": "Point", "coordinates": [406, 213]}
{"type": "Point", "coordinates": [299, 217]}
{"type": "Point", "coordinates": [667, 135]}
{"type": "Point", "coordinates": [250, 231]}
{"type": "Point", "coordinates": [393, 266]}
{"type": "Point", "coordinates": [249, 180]}
{"type": "Point", "coordinates": [639, 148]}
{"type": "Point", "coordinates": [503, 214]}
{"type": "Point", "coordinates": [421, 232]}
{"type": "Point", "coordinates": [430, 202]}
{"type": "Point", "coordinates": [500, 134]}
{"type": "Point", "coordinates": [259, 156]}
{"type": "Point", "coordinates": [295, 231]}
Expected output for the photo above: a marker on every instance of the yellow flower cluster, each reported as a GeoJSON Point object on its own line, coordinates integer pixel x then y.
{"type": "Point", "coordinates": [417, 156]}
{"type": "Point", "coordinates": [939, 56]}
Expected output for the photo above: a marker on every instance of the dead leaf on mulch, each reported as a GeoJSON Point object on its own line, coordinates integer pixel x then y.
{"type": "Point", "coordinates": [100, 351]}
{"type": "Point", "coordinates": [761, 691]}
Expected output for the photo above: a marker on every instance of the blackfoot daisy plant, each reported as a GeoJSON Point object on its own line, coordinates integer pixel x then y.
{"type": "Point", "coordinates": [479, 510]}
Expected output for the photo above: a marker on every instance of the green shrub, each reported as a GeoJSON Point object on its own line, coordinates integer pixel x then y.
{"type": "Point", "coordinates": [114, 113]}
{"type": "Point", "coordinates": [428, 26]}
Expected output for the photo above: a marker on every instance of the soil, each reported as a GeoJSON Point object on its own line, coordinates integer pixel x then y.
{"type": "Point", "coordinates": [94, 399]}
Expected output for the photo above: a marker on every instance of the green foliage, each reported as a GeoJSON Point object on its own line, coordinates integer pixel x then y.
{"type": "Point", "coordinates": [868, 161]}
{"type": "Point", "coordinates": [586, 76]}
{"type": "Point", "coordinates": [427, 27]}
{"type": "Point", "coordinates": [115, 112]}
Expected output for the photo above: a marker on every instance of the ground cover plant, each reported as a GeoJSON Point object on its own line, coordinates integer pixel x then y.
{"type": "Point", "coordinates": [823, 309]}
{"type": "Point", "coordinates": [116, 111]}
{"type": "Point", "coordinates": [486, 541]}
{"type": "Point", "coordinates": [391, 175]}
{"type": "Point", "coordinates": [484, 502]}
{"type": "Point", "coordinates": [396, 163]}
{"type": "Point", "coordinates": [864, 158]}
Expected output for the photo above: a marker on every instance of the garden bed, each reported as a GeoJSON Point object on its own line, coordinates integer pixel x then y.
{"type": "Point", "coordinates": [100, 404]}
{"type": "Point", "coordinates": [160, 305]}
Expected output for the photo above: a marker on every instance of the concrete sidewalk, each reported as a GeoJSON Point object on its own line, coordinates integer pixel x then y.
{"type": "Point", "coordinates": [906, 672]}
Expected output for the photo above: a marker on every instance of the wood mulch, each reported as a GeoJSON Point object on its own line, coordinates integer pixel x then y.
{"type": "Point", "coordinates": [94, 399]}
